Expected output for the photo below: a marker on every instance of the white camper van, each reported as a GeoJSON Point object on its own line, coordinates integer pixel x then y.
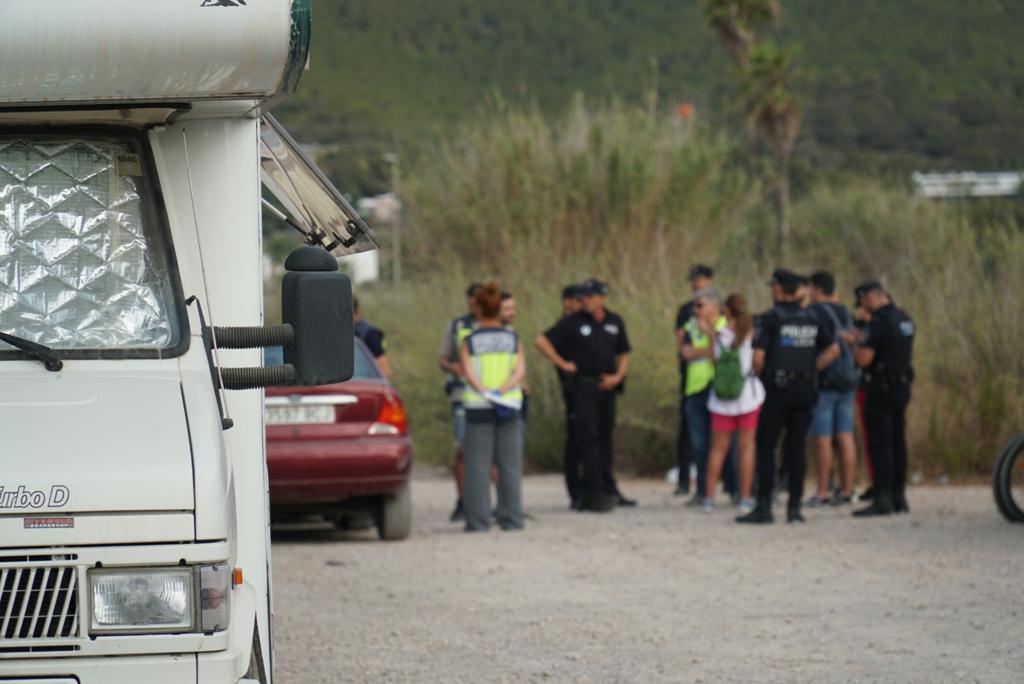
{"type": "Point", "coordinates": [134, 141]}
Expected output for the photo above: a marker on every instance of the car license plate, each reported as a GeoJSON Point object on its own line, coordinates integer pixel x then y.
{"type": "Point", "coordinates": [294, 415]}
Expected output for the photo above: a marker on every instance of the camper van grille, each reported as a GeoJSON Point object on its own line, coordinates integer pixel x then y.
{"type": "Point", "coordinates": [38, 603]}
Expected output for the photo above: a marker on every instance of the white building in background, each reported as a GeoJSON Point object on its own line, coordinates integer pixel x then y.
{"type": "Point", "coordinates": [361, 268]}
{"type": "Point", "coordinates": [382, 209]}
{"type": "Point", "coordinates": [967, 184]}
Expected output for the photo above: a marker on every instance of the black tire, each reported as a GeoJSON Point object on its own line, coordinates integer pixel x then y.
{"type": "Point", "coordinates": [1010, 457]}
{"type": "Point", "coordinates": [394, 517]}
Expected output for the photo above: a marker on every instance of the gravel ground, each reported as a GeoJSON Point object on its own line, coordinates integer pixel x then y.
{"type": "Point", "coordinates": [657, 594]}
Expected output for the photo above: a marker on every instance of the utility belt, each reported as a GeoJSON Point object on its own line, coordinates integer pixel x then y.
{"type": "Point", "coordinates": [780, 378]}
{"type": "Point", "coordinates": [884, 380]}
{"type": "Point", "coordinates": [592, 380]}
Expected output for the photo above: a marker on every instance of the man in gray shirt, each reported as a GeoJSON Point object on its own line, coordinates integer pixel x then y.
{"type": "Point", "coordinates": [455, 331]}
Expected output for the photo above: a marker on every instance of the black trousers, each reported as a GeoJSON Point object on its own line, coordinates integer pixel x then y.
{"type": "Point", "coordinates": [886, 416]}
{"type": "Point", "coordinates": [684, 449]}
{"type": "Point", "coordinates": [785, 409]}
{"type": "Point", "coordinates": [595, 422]}
{"type": "Point", "coordinates": [573, 474]}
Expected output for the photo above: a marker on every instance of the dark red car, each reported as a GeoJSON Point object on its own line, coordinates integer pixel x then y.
{"type": "Point", "coordinates": [341, 451]}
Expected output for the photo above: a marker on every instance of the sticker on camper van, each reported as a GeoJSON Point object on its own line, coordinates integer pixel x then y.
{"type": "Point", "coordinates": [49, 523]}
{"type": "Point", "coordinates": [127, 164]}
{"type": "Point", "coordinates": [24, 497]}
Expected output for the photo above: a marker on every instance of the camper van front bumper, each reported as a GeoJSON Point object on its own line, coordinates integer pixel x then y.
{"type": "Point", "coordinates": [205, 668]}
{"type": "Point", "coordinates": [54, 621]}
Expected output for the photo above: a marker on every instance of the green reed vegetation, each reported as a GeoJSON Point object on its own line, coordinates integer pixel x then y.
{"type": "Point", "coordinates": [635, 197]}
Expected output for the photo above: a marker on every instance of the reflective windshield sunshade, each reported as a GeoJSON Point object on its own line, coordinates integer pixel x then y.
{"type": "Point", "coordinates": [80, 268]}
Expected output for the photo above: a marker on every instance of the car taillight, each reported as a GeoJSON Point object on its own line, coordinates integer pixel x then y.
{"type": "Point", "coordinates": [391, 420]}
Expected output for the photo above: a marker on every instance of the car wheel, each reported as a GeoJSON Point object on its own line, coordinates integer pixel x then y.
{"type": "Point", "coordinates": [394, 519]}
{"type": "Point", "coordinates": [1008, 480]}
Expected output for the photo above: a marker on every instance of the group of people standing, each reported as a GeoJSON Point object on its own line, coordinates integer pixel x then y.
{"type": "Point", "coordinates": [747, 382]}
{"type": "Point", "coordinates": [483, 360]}
{"type": "Point", "coordinates": [791, 372]}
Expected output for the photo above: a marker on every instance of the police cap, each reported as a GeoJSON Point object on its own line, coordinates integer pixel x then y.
{"type": "Point", "coordinates": [572, 291]}
{"type": "Point", "coordinates": [594, 286]}
{"type": "Point", "coordinates": [701, 271]}
{"type": "Point", "coordinates": [865, 287]}
{"type": "Point", "coordinates": [786, 279]}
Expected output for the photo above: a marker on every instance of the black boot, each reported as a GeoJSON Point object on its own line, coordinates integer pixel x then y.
{"type": "Point", "coordinates": [899, 504]}
{"type": "Point", "coordinates": [599, 503]}
{"type": "Point", "coordinates": [761, 515]}
{"type": "Point", "coordinates": [882, 505]}
{"type": "Point", "coordinates": [793, 514]}
{"type": "Point", "coordinates": [621, 500]}
{"type": "Point", "coordinates": [458, 515]}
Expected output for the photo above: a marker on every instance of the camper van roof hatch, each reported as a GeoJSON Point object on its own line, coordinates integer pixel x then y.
{"type": "Point", "coordinates": [316, 207]}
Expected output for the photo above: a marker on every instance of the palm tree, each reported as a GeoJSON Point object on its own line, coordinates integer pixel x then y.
{"type": "Point", "coordinates": [773, 114]}
{"type": "Point", "coordinates": [770, 107]}
{"type": "Point", "coordinates": [736, 23]}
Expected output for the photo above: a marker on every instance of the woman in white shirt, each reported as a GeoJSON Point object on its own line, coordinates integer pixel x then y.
{"type": "Point", "coordinates": [737, 415]}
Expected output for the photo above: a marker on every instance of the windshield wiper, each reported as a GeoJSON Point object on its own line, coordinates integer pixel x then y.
{"type": "Point", "coordinates": [48, 356]}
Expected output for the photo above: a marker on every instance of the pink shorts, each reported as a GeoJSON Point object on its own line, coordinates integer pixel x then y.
{"type": "Point", "coordinates": [745, 421]}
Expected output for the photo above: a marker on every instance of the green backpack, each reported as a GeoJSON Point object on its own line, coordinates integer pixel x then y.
{"type": "Point", "coordinates": [729, 377]}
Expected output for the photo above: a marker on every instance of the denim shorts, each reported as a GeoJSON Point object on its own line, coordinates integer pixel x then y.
{"type": "Point", "coordinates": [833, 414]}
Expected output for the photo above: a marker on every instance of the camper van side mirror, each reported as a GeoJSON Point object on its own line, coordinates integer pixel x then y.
{"type": "Point", "coordinates": [316, 300]}
{"type": "Point", "coordinates": [317, 334]}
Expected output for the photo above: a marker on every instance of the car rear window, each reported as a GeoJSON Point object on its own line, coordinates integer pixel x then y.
{"type": "Point", "coordinates": [364, 368]}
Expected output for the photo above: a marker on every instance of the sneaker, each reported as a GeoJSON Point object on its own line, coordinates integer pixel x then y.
{"type": "Point", "coordinates": [746, 506]}
{"type": "Point", "coordinates": [695, 501]}
{"type": "Point", "coordinates": [815, 502]}
{"type": "Point", "coordinates": [709, 506]}
{"type": "Point", "coordinates": [840, 499]}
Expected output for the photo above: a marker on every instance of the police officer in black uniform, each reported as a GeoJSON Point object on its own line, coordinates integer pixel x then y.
{"type": "Point", "coordinates": [595, 352]}
{"type": "Point", "coordinates": [372, 337]}
{"type": "Point", "coordinates": [791, 346]}
{"type": "Point", "coordinates": [572, 302]}
{"type": "Point", "coordinates": [885, 353]}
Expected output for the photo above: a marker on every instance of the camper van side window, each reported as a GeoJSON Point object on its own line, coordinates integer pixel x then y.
{"type": "Point", "coordinates": [83, 262]}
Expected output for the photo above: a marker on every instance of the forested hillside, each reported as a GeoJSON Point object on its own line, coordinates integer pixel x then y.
{"type": "Point", "coordinates": [892, 84]}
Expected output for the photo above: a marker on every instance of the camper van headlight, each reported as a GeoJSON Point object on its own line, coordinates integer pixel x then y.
{"type": "Point", "coordinates": [142, 600]}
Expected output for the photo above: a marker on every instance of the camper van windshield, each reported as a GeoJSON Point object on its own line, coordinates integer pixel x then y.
{"type": "Point", "coordinates": [83, 263]}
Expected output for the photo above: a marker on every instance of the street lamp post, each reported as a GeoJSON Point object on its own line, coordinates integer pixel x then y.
{"type": "Point", "coordinates": [396, 189]}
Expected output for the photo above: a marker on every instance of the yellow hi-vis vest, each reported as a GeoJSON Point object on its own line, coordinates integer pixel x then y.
{"type": "Point", "coordinates": [700, 372]}
{"type": "Point", "coordinates": [493, 353]}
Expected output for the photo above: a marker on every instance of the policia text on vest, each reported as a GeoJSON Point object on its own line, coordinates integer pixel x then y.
{"type": "Point", "coordinates": [789, 349]}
